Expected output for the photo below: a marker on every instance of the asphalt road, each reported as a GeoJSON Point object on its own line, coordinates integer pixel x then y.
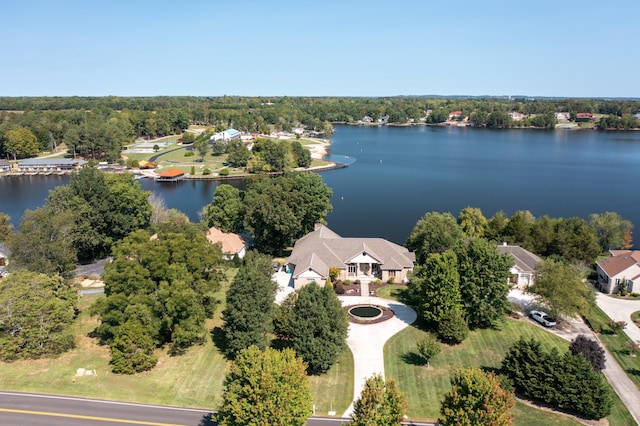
{"type": "Point", "coordinates": [24, 409]}
{"type": "Point", "coordinates": [19, 409]}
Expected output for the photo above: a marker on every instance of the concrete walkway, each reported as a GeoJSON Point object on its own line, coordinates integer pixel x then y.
{"type": "Point", "coordinates": [621, 310]}
{"type": "Point", "coordinates": [367, 341]}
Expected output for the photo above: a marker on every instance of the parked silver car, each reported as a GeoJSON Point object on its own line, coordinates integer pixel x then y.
{"type": "Point", "coordinates": [542, 318]}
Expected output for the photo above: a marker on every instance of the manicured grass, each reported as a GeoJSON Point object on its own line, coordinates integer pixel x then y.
{"type": "Point", "coordinates": [334, 390]}
{"type": "Point", "coordinates": [194, 379]}
{"type": "Point", "coordinates": [635, 317]}
{"type": "Point", "coordinates": [483, 348]}
{"type": "Point", "coordinates": [526, 415]}
{"type": "Point", "coordinates": [391, 291]}
{"type": "Point", "coordinates": [618, 344]}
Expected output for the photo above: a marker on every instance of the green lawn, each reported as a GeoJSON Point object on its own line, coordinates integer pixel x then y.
{"type": "Point", "coordinates": [483, 348]}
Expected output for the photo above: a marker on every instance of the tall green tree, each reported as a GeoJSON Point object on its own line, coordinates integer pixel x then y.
{"type": "Point", "coordinates": [36, 316]}
{"type": "Point", "coordinates": [248, 317]}
{"type": "Point", "coordinates": [201, 145]}
{"type": "Point", "coordinates": [559, 287]}
{"type": "Point", "coordinates": [435, 286]}
{"type": "Point", "coordinates": [380, 403]}
{"type": "Point", "coordinates": [5, 227]}
{"type": "Point", "coordinates": [238, 154]}
{"type": "Point", "coordinates": [476, 398]}
{"type": "Point", "coordinates": [434, 233]}
{"type": "Point", "coordinates": [472, 222]}
{"type": "Point", "coordinates": [610, 229]}
{"type": "Point", "coordinates": [280, 210]}
{"type": "Point", "coordinates": [45, 242]}
{"type": "Point", "coordinates": [319, 327]}
{"type": "Point", "coordinates": [484, 274]}
{"type": "Point", "coordinates": [301, 154]}
{"type": "Point", "coordinates": [21, 143]}
{"type": "Point", "coordinates": [267, 387]}
{"type": "Point", "coordinates": [575, 240]}
{"type": "Point", "coordinates": [226, 210]}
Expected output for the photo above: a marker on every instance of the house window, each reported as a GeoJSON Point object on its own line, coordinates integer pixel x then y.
{"type": "Point", "coordinates": [352, 268]}
{"type": "Point", "coordinates": [392, 274]}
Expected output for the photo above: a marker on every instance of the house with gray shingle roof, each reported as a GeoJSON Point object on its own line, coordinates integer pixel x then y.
{"type": "Point", "coordinates": [622, 267]}
{"type": "Point", "coordinates": [522, 272]}
{"type": "Point", "coordinates": [364, 259]}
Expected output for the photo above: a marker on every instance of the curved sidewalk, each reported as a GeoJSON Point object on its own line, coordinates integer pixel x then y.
{"type": "Point", "coordinates": [367, 341]}
{"type": "Point", "coordinates": [621, 310]}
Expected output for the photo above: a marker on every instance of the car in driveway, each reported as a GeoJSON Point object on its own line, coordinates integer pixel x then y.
{"type": "Point", "coordinates": [543, 318]}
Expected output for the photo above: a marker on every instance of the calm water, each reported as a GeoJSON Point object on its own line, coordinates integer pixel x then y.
{"type": "Point", "coordinates": [398, 174]}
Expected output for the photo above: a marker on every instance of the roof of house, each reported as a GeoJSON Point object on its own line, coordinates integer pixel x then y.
{"type": "Point", "coordinates": [458, 112]}
{"type": "Point", "coordinates": [171, 173]}
{"type": "Point", "coordinates": [232, 132]}
{"type": "Point", "coordinates": [231, 243]}
{"type": "Point", "coordinates": [50, 161]}
{"type": "Point", "coordinates": [525, 260]}
{"type": "Point", "coordinates": [633, 253]}
{"type": "Point", "coordinates": [614, 265]}
{"type": "Point", "coordinates": [584, 115]}
{"type": "Point", "coordinates": [321, 249]}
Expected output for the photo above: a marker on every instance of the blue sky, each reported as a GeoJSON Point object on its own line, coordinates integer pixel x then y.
{"type": "Point", "coordinates": [330, 48]}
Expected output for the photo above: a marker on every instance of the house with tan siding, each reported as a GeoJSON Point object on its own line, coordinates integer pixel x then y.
{"type": "Point", "coordinates": [364, 259]}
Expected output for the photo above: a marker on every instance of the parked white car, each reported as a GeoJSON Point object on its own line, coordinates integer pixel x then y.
{"type": "Point", "coordinates": [542, 318]}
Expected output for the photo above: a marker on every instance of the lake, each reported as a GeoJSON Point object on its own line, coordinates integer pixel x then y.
{"type": "Point", "coordinates": [397, 174]}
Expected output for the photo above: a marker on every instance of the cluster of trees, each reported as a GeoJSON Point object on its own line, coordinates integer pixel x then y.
{"type": "Point", "coordinates": [98, 126]}
{"type": "Point", "coordinates": [312, 322]}
{"type": "Point", "coordinates": [567, 381]}
{"type": "Point", "coordinates": [458, 282]}
{"type": "Point", "coordinates": [79, 222]}
{"type": "Point", "coordinates": [267, 155]}
{"type": "Point", "coordinates": [275, 211]}
{"type": "Point", "coordinates": [159, 291]}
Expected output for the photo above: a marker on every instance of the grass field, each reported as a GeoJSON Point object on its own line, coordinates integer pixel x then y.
{"type": "Point", "coordinates": [194, 379]}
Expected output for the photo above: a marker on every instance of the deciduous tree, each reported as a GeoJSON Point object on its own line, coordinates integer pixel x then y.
{"type": "Point", "coordinates": [472, 222]}
{"type": "Point", "coordinates": [558, 286]}
{"type": "Point", "coordinates": [21, 143]}
{"type": "Point", "coordinates": [36, 316]}
{"type": "Point", "coordinates": [590, 349]}
{"type": "Point", "coordinates": [380, 403]}
{"type": "Point", "coordinates": [226, 210]}
{"type": "Point", "coordinates": [610, 229]}
{"type": "Point", "coordinates": [476, 398]}
{"type": "Point", "coordinates": [434, 233]}
{"type": "Point", "coordinates": [267, 387]}
{"type": "Point", "coordinates": [428, 347]}
{"type": "Point", "coordinates": [484, 285]}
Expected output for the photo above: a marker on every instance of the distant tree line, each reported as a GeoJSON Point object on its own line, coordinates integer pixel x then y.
{"type": "Point", "coordinates": [97, 127]}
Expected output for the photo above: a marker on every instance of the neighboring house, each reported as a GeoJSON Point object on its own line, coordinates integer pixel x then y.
{"type": "Point", "coordinates": [5, 166]}
{"type": "Point", "coordinates": [4, 259]}
{"type": "Point", "coordinates": [455, 115]}
{"type": "Point", "coordinates": [622, 266]}
{"type": "Point", "coordinates": [525, 264]}
{"type": "Point", "coordinates": [367, 119]}
{"type": "Point", "coordinates": [516, 116]}
{"type": "Point", "coordinates": [231, 244]}
{"type": "Point", "coordinates": [584, 116]}
{"type": "Point", "coordinates": [637, 116]}
{"type": "Point", "coordinates": [364, 259]}
{"type": "Point", "coordinates": [565, 116]}
{"type": "Point", "coordinates": [227, 135]}
{"type": "Point", "coordinates": [49, 165]}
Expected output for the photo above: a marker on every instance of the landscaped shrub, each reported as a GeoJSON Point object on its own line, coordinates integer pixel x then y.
{"type": "Point", "coordinates": [565, 380]}
{"type": "Point", "coordinates": [224, 172]}
{"type": "Point", "coordinates": [590, 349]}
{"type": "Point", "coordinates": [453, 328]}
{"type": "Point", "coordinates": [189, 154]}
{"type": "Point", "coordinates": [378, 282]}
{"type": "Point", "coordinates": [193, 170]}
{"type": "Point", "coordinates": [391, 280]}
{"type": "Point", "coordinates": [206, 171]}
{"type": "Point", "coordinates": [357, 282]}
{"type": "Point", "coordinates": [338, 288]}
{"type": "Point", "coordinates": [347, 282]}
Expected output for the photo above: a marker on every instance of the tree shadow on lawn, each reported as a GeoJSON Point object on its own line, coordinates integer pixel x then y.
{"type": "Point", "coordinates": [220, 341]}
{"type": "Point", "coordinates": [413, 358]}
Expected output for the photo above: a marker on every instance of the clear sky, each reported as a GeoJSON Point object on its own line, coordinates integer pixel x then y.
{"type": "Point", "coordinates": [320, 48]}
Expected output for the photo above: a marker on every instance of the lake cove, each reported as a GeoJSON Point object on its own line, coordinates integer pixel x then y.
{"type": "Point", "coordinates": [397, 174]}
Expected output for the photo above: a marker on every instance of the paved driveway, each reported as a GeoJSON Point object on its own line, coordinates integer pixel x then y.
{"type": "Point", "coordinates": [367, 341]}
{"type": "Point", "coordinates": [621, 310]}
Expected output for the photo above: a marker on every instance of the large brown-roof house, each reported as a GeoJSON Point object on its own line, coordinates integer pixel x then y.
{"type": "Point", "coordinates": [522, 272]}
{"type": "Point", "coordinates": [231, 244]}
{"type": "Point", "coordinates": [364, 259]}
{"type": "Point", "coordinates": [622, 267]}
